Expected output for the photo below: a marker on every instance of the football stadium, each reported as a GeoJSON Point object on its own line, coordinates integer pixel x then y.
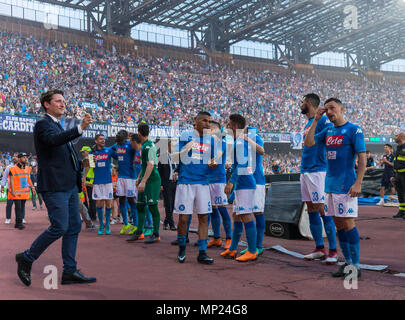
{"type": "Point", "coordinates": [202, 150]}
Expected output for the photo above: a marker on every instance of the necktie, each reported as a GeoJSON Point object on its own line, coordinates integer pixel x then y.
{"type": "Point", "coordinates": [72, 152]}
{"type": "Point", "coordinates": [171, 166]}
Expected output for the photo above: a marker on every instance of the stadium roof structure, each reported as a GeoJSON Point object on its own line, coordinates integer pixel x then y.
{"type": "Point", "coordinates": [369, 32]}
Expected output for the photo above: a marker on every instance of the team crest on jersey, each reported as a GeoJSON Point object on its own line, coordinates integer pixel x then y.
{"type": "Point", "coordinates": [182, 207]}
{"type": "Point", "coordinates": [334, 141]}
{"type": "Point", "coordinates": [331, 155]}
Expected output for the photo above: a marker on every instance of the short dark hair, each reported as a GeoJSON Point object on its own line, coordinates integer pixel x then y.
{"type": "Point", "coordinates": [216, 123]}
{"type": "Point", "coordinates": [143, 130]}
{"type": "Point", "coordinates": [333, 100]}
{"type": "Point", "coordinates": [136, 138]}
{"type": "Point", "coordinates": [314, 99]}
{"type": "Point", "coordinates": [121, 136]}
{"type": "Point", "coordinates": [47, 96]}
{"type": "Point", "coordinates": [238, 119]}
{"type": "Point", "coordinates": [202, 113]}
{"type": "Point", "coordinates": [98, 135]}
{"type": "Point", "coordinates": [368, 151]}
{"type": "Point", "coordinates": [388, 145]}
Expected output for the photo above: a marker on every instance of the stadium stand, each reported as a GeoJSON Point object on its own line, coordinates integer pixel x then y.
{"type": "Point", "coordinates": [128, 87]}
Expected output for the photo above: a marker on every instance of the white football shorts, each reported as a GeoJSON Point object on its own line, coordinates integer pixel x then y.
{"type": "Point", "coordinates": [218, 195]}
{"type": "Point", "coordinates": [259, 199]}
{"type": "Point", "coordinates": [126, 188]}
{"type": "Point", "coordinates": [102, 191]}
{"type": "Point", "coordinates": [244, 201]}
{"type": "Point", "coordinates": [313, 187]}
{"type": "Point", "coordinates": [189, 196]}
{"type": "Point", "coordinates": [341, 205]}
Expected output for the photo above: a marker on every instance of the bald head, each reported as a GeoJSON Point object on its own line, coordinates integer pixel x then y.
{"type": "Point", "coordinates": [400, 138]}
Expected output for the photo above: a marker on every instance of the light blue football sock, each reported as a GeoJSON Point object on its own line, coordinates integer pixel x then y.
{"type": "Point", "coordinates": [260, 226]}
{"type": "Point", "coordinates": [315, 225]}
{"type": "Point", "coordinates": [236, 235]}
{"type": "Point", "coordinates": [216, 223]}
{"type": "Point", "coordinates": [100, 216]}
{"type": "Point", "coordinates": [226, 221]}
{"type": "Point", "coordinates": [251, 236]}
{"type": "Point", "coordinates": [354, 240]}
{"type": "Point", "coordinates": [134, 213]}
{"type": "Point", "coordinates": [202, 244]}
{"type": "Point", "coordinates": [148, 218]}
{"type": "Point", "coordinates": [181, 240]}
{"type": "Point", "coordinates": [345, 245]}
{"type": "Point", "coordinates": [124, 213]}
{"type": "Point", "coordinates": [107, 216]}
{"type": "Point", "coordinates": [330, 230]}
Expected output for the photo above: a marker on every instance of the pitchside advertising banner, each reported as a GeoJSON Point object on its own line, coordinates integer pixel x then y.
{"type": "Point", "coordinates": [17, 124]}
{"type": "Point", "coordinates": [26, 124]}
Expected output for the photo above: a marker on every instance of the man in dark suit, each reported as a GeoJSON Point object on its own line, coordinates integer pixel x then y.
{"type": "Point", "coordinates": [59, 182]}
{"type": "Point", "coordinates": [166, 168]}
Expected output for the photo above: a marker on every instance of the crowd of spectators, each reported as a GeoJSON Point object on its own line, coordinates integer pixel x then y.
{"type": "Point", "coordinates": [281, 163]}
{"type": "Point", "coordinates": [127, 88]}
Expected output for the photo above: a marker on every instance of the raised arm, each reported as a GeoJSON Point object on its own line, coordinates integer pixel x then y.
{"type": "Point", "coordinates": [259, 149]}
{"type": "Point", "coordinates": [309, 139]}
{"type": "Point", "coordinates": [50, 136]}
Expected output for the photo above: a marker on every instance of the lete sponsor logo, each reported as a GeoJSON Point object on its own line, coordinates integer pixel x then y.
{"type": "Point", "coordinates": [334, 141]}
{"type": "Point", "coordinates": [99, 157]}
{"type": "Point", "coordinates": [200, 147]}
{"type": "Point", "coordinates": [137, 159]}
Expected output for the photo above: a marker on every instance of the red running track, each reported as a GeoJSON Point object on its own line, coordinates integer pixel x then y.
{"type": "Point", "coordinates": [151, 272]}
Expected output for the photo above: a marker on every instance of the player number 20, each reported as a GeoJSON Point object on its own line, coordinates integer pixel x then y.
{"type": "Point", "coordinates": [218, 200]}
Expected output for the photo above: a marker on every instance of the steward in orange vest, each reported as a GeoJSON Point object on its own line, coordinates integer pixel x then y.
{"type": "Point", "coordinates": [20, 185]}
{"type": "Point", "coordinates": [20, 182]}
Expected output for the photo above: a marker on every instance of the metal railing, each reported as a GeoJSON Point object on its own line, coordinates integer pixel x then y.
{"type": "Point", "coordinates": [50, 20]}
